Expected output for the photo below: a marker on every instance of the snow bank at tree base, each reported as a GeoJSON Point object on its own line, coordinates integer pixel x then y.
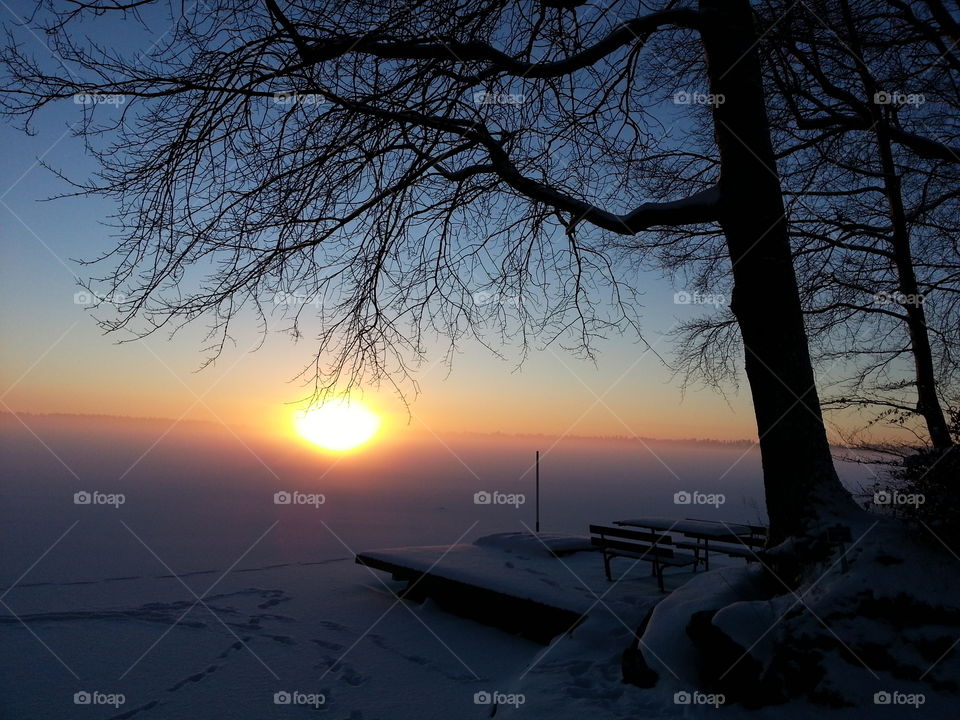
{"type": "Point", "coordinates": [665, 646]}
{"type": "Point", "coordinates": [879, 638]}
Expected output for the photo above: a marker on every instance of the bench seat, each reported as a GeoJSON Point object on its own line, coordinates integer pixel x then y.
{"type": "Point", "coordinates": [655, 548]}
{"type": "Point", "coordinates": [749, 551]}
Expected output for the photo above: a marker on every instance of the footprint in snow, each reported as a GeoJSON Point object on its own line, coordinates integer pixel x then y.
{"type": "Point", "coordinates": [283, 639]}
{"type": "Point", "coordinates": [195, 678]}
{"type": "Point", "coordinates": [326, 645]}
{"type": "Point", "coordinates": [235, 646]}
{"type": "Point", "coordinates": [333, 626]}
{"type": "Point", "coordinates": [352, 677]}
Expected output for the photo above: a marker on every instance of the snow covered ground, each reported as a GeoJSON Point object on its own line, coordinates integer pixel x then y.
{"type": "Point", "coordinates": [199, 597]}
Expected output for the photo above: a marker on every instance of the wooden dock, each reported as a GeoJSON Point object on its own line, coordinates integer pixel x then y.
{"type": "Point", "coordinates": [515, 582]}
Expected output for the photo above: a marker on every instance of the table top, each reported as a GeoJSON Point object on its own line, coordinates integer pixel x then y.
{"type": "Point", "coordinates": [690, 528]}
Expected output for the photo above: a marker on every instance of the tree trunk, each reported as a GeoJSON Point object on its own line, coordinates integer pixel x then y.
{"type": "Point", "coordinates": [799, 478]}
{"type": "Point", "coordinates": [928, 404]}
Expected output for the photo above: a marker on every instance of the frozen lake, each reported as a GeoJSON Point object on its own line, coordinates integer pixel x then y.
{"type": "Point", "coordinates": [198, 595]}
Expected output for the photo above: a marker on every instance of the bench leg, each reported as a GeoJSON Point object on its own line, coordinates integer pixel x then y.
{"type": "Point", "coordinates": [658, 569]}
{"type": "Point", "coordinates": [606, 565]}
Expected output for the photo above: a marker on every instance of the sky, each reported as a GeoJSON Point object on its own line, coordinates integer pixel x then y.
{"type": "Point", "coordinates": [56, 360]}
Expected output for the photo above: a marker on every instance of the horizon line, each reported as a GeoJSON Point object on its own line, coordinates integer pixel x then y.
{"type": "Point", "coordinates": [482, 433]}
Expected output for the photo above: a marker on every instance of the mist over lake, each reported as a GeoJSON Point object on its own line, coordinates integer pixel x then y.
{"type": "Point", "coordinates": [200, 486]}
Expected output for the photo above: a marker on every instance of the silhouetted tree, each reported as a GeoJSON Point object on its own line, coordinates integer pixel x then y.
{"type": "Point", "coordinates": [877, 62]}
{"type": "Point", "coordinates": [416, 147]}
{"type": "Point", "coordinates": [861, 100]}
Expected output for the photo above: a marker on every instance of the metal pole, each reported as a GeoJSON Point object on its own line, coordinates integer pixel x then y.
{"type": "Point", "coordinates": [538, 491]}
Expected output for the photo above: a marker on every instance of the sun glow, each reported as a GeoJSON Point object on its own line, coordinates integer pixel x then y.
{"type": "Point", "coordinates": [337, 425]}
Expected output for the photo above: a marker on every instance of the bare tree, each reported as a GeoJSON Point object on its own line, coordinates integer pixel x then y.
{"type": "Point", "coordinates": [871, 185]}
{"type": "Point", "coordinates": [854, 61]}
{"type": "Point", "coordinates": [416, 148]}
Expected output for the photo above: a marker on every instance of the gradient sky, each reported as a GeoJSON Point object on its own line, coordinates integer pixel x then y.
{"type": "Point", "coordinates": [57, 360]}
{"type": "Point", "coordinates": [54, 358]}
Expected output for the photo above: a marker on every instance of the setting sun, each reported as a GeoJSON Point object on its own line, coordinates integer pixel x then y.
{"type": "Point", "coordinates": [337, 425]}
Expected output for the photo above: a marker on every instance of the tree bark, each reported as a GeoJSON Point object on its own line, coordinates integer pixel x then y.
{"type": "Point", "coordinates": [799, 478]}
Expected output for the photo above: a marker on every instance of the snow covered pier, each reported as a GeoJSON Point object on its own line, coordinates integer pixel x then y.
{"type": "Point", "coordinates": [538, 586]}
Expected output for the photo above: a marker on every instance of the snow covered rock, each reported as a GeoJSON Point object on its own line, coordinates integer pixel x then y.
{"type": "Point", "coordinates": [666, 647]}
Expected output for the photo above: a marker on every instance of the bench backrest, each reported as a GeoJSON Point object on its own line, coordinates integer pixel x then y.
{"type": "Point", "coordinates": [757, 537]}
{"type": "Point", "coordinates": [634, 548]}
{"type": "Point", "coordinates": [748, 540]}
{"type": "Point", "coordinates": [645, 536]}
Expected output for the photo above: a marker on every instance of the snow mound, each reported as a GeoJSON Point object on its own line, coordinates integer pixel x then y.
{"type": "Point", "coordinates": [665, 646]}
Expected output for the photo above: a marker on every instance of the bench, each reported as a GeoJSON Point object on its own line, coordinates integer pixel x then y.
{"type": "Point", "coordinates": [655, 548]}
{"type": "Point", "coordinates": [733, 549]}
{"type": "Point", "coordinates": [730, 543]}
{"type": "Point", "coordinates": [756, 531]}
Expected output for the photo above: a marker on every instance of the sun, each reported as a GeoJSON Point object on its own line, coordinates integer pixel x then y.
{"type": "Point", "coordinates": [337, 425]}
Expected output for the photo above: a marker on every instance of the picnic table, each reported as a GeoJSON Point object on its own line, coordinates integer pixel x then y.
{"type": "Point", "coordinates": [735, 539]}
